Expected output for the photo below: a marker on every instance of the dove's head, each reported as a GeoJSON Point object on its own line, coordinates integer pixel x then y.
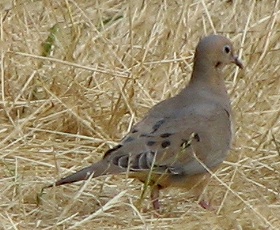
{"type": "Point", "coordinates": [217, 51]}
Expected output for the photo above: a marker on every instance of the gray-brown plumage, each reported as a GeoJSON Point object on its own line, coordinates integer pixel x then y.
{"type": "Point", "coordinates": [163, 147]}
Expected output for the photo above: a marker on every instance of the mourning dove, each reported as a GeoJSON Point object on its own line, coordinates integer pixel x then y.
{"type": "Point", "coordinates": [182, 138]}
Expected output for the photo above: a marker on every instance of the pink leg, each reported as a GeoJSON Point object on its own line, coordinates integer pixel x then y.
{"type": "Point", "coordinates": [155, 197]}
{"type": "Point", "coordinates": [205, 205]}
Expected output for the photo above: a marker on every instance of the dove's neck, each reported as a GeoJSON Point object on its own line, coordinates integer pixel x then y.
{"type": "Point", "coordinates": [208, 77]}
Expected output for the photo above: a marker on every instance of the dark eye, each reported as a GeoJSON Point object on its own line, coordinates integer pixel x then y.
{"type": "Point", "coordinates": [227, 49]}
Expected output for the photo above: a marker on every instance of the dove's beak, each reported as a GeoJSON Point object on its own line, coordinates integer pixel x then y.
{"type": "Point", "coordinates": [237, 61]}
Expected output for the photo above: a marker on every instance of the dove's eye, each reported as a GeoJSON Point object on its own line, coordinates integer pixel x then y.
{"type": "Point", "coordinates": [227, 49]}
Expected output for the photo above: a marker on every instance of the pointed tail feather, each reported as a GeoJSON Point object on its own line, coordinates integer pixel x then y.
{"type": "Point", "coordinates": [97, 169]}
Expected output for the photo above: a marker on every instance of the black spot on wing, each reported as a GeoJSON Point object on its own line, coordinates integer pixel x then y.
{"type": "Point", "coordinates": [134, 131]}
{"type": "Point", "coordinates": [128, 139]}
{"type": "Point", "coordinates": [218, 64]}
{"type": "Point", "coordinates": [157, 125]}
{"type": "Point", "coordinates": [110, 151]}
{"type": "Point", "coordinates": [164, 135]}
{"type": "Point", "coordinates": [165, 144]}
{"type": "Point", "coordinates": [145, 135]}
{"type": "Point", "coordinates": [196, 137]}
{"type": "Point", "coordinates": [150, 143]}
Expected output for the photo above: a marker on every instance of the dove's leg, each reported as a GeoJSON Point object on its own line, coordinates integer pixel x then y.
{"type": "Point", "coordinates": [155, 197]}
{"type": "Point", "coordinates": [206, 205]}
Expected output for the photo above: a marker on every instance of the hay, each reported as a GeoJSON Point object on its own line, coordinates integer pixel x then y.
{"type": "Point", "coordinates": [76, 75]}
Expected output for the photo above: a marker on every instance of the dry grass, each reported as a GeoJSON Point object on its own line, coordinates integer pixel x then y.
{"type": "Point", "coordinates": [75, 75]}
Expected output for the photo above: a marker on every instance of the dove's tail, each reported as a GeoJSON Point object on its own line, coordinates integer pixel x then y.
{"type": "Point", "coordinates": [98, 169]}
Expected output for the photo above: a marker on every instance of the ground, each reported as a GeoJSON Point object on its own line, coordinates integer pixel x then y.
{"type": "Point", "coordinates": [76, 75]}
